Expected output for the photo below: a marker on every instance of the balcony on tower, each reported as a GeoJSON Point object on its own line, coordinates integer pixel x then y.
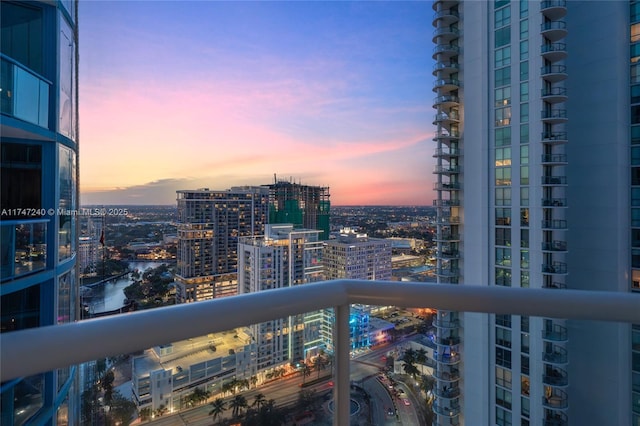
{"type": "Point", "coordinates": [556, 400]}
{"type": "Point", "coordinates": [553, 180]}
{"type": "Point", "coordinates": [554, 332]}
{"type": "Point", "coordinates": [554, 224]}
{"type": "Point", "coordinates": [447, 391]}
{"type": "Point", "coordinates": [555, 418]}
{"type": "Point", "coordinates": [555, 376]}
{"type": "Point", "coordinates": [448, 219]}
{"type": "Point", "coordinates": [553, 116]}
{"type": "Point", "coordinates": [553, 52]}
{"type": "Point", "coordinates": [554, 354]}
{"type": "Point", "coordinates": [552, 138]}
{"type": "Point", "coordinates": [554, 202]}
{"type": "Point", "coordinates": [444, 52]}
{"type": "Point", "coordinates": [554, 159]}
{"type": "Point", "coordinates": [446, 152]}
{"type": "Point", "coordinates": [445, 34]}
{"type": "Point", "coordinates": [553, 30]}
{"type": "Point", "coordinates": [444, 118]}
{"type": "Point", "coordinates": [446, 203]}
{"type": "Point", "coordinates": [447, 374]}
{"type": "Point", "coordinates": [447, 170]}
{"type": "Point", "coordinates": [554, 95]}
{"type": "Point", "coordinates": [446, 101]}
{"type": "Point", "coordinates": [446, 410]}
{"type": "Point", "coordinates": [446, 16]}
{"type": "Point", "coordinates": [553, 9]}
{"type": "Point", "coordinates": [446, 84]}
{"type": "Point", "coordinates": [553, 268]}
{"type": "Point", "coordinates": [554, 73]}
{"type": "Point", "coordinates": [555, 245]}
{"type": "Point", "coordinates": [444, 4]}
{"type": "Point", "coordinates": [445, 67]}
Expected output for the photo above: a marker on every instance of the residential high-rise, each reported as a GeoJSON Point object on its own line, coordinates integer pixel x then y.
{"type": "Point", "coordinates": [537, 178]}
{"type": "Point", "coordinates": [283, 257]}
{"type": "Point", "coordinates": [39, 195]}
{"type": "Point", "coordinates": [209, 226]}
{"type": "Point", "coordinates": [302, 205]}
{"type": "Point", "coordinates": [355, 256]}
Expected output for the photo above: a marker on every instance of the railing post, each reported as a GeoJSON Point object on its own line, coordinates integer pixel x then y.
{"type": "Point", "coordinates": [341, 390]}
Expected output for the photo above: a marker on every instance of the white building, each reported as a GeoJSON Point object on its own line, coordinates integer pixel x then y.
{"type": "Point", "coordinates": [356, 256]}
{"type": "Point", "coordinates": [537, 183]}
{"type": "Point", "coordinates": [284, 257]}
{"type": "Point", "coordinates": [166, 375]}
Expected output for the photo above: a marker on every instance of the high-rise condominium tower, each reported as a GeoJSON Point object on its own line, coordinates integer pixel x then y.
{"type": "Point", "coordinates": [39, 135]}
{"type": "Point", "coordinates": [537, 185]}
{"type": "Point", "coordinates": [283, 257]}
{"type": "Point", "coordinates": [209, 226]}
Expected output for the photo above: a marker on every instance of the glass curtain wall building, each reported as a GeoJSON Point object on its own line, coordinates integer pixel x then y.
{"type": "Point", "coordinates": [536, 182]}
{"type": "Point", "coordinates": [39, 194]}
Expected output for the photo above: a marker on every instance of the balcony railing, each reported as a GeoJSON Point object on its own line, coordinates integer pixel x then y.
{"type": "Point", "coordinates": [25, 95]}
{"type": "Point", "coordinates": [69, 344]}
{"type": "Point", "coordinates": [24, 247]}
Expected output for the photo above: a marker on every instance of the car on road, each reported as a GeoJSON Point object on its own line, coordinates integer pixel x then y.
{"type": "Point", "coordinates": [406, 402]}
{"type": "Point", "coordinates": [390, 411]}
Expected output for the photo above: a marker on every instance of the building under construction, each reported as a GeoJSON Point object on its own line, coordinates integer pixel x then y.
{"type": "Point", "coordinates": [301, 205]}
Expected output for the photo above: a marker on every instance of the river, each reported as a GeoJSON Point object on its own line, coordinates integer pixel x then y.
{"type": "Point", "coordinates": [110, 296]}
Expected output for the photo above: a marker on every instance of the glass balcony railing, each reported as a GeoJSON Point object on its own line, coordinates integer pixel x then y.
{"type": "Point", "coordinates": [554, 224]}
{"type": "Point", "coordinates": [554, 202]}
{"type": "Point", "coordinates": [75, 343]}
{"type": "Point", "coordinates": [557, 333]}
{"type": "Point", "coordinates": [554, 268]}
{"type": "Point", "coordinates": [553, 180]}
{"type": "Point", "coordinates": [24, 94]}
{"type": "Point", "coordinates": [554, 137]}
{"type": "Point", "coordinates": [446, 203]}
{"type": "Point", "coordinates": [446, 411]}
{"type": "Point", "coordinates": [24, 247]}
{"type": "Point", "coordinates": [554, 158]}
{"type": "Point", "coordinates": [556, 245]}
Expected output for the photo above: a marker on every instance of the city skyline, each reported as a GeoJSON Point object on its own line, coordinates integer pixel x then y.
{"type": "Point", "coordinates": [220, 94]}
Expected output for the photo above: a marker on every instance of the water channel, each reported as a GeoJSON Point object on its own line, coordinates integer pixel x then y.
{"type": "Point", "coordinates": [110, 295]}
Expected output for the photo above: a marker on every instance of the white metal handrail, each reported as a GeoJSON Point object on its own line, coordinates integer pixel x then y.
{"type": "Point", "coordinates": [27, 352]}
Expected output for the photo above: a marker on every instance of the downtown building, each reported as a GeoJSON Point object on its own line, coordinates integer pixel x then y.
{"type": "Point", "coordinates": [304, 206]}
{"type": "Point", "coordinates": [353, 255]}
{"type": "Point", "coordinates": [210, 224]}
{"type": "Point", "coordinates": [537, 185]}
{"type": "Point", "coordinates": [39, 147]}
{"type": "Point", "coordinates": [284, 257]}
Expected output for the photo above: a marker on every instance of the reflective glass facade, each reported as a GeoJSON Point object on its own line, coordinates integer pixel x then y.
{"type": "Point", "coordinates": [38, 287]}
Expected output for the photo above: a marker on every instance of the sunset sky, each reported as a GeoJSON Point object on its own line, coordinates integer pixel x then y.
{"type": "Point", "coordinates": [184, 95]}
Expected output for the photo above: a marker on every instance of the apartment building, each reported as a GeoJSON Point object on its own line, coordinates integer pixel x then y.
{"type": "Point", "coordinates": [284, 257]}
{"type": "Point", "coordinates": [210, 224]}
{"type": "Point", "coordinates": [39, 194]}
{"type": "Point", "coordinates": [537, 174]}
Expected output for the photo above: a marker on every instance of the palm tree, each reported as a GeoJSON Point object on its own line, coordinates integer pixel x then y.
{"type": "Point", "coordinates": [145, 413]}
{"type": "Point", "coordinates": [421, 356]}
{"type": "Point", "coordinates": [319, 364]}
{"type": "Point", "coordinates": [305, 370]}
{"type": "Point", "coordinates": [217, 408]}
{"type": "Point", "coordinates": [259, 400]}
{"type": "Point", "coordinates": [410, 369]}
{"type": "Point", "coordinates": [161, 410]}
{"type": "Point", "coordinates": [254, 381]}
{"type": "Point", "coordinates": [238, 403]}
{"type": "Point", "coordinates": [409, 356]}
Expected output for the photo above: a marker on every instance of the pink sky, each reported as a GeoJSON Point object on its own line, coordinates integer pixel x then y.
{"type": "Point", "coordinates": [157, 117]}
